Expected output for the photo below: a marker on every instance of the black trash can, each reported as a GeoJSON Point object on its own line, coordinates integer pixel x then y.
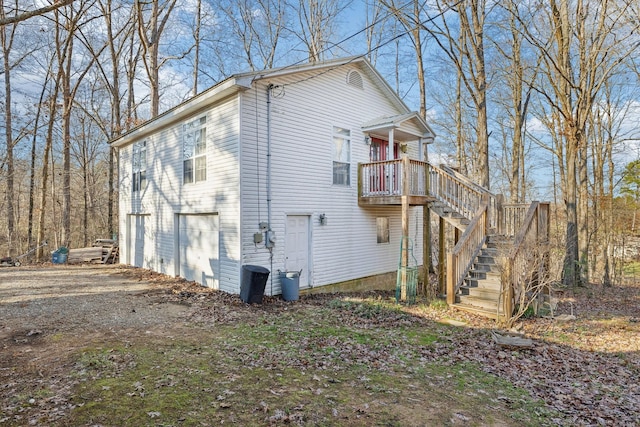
{"type": "Point", "coordinates": [254, 279]}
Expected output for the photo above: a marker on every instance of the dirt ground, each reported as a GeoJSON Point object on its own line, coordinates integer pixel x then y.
{"type": "Point", "coordinates": [50, 312]}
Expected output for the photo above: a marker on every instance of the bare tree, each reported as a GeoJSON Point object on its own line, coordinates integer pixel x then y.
{"type": "Point", "coordinates": [581, 50]}
{"type": "Point", "coordinates": [7, 34]}
{"type": "Point", "coordinates": [152, 16]}
{"type": "Point", "coordinates": [465, 48]}
{"type": "Point", "coordinates": [317, 21]}
{"type": "Point", "coordinates": [519, 77]}
{"type": "Point", "coordinates": [68, 20]}
{"type": "Point", "coordinates": [18, 17]}
{"type": "Point", "coordinates": [118, 27]}
{"type": "Point", "coordinates": [258, 25]}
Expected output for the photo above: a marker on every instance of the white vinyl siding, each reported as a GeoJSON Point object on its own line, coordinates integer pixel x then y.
{"type": "Point", "coordinates": [302, 122]}
{"type": "Point", "coordinates": [166, 199]}
{"type": "Point", "coordinates": [298, 134]}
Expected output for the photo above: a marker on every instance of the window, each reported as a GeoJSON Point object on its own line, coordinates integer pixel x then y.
{"type": "Point", "coordinates": [139, 163]}
{"type": "Point", "coordinates": [194, 151]}
{"type": "Point", "coordinates": [341, 156]}
{"type": "Point", "coordinates": [382, 226]}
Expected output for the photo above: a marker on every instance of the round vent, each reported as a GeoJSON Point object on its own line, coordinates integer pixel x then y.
{"type": "Point", "coordinates": [354, 78]}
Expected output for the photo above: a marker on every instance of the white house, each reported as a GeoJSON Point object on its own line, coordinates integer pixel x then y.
{"type": "Point", "coordinates": [263, 169]}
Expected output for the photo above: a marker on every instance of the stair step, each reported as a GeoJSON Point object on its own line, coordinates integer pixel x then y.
{"type": "Point", "coordinates": [486, 267]}
{"type": "Point", "coordinates": [494, 252]}
{"type": "Point", "coordinates": [483, 303]}
{"type": "Point", "coordinates": [485, 259]}
{"type": "Point", "coordinates": [476, 274]}
{"type": "Point", "coordinates": [499, 243]}
{"type": "Point", "coordinates": [491, 314]}
{"type": "Point", "coordinates": [473, 282]}
{"type": "Point", "coordinates": [481, 293]}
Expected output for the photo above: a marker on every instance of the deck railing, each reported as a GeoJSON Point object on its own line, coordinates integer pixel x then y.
{"type": "Point", "coordinates": [461, 258]}
{"type": "Point", "coordinates": [512, 217]}
{"type": "Point", "coordinates": [528, 258]}
{"type": "Point", "coordinates": [385, 178]}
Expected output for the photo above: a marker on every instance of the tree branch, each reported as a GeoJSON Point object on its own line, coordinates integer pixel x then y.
{"type": "Point", "coordinates": [26, 15]}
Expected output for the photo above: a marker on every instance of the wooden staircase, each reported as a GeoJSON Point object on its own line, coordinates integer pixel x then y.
{"type": "Point", "coordinates": [488, 264]}
{"type": "Point", "coordinates": [492, 261]}
{"type": "Point", "coordinates": [482, 289]}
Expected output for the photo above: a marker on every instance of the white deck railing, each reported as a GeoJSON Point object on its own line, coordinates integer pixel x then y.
{"type": "Point", "coordinates": [385, 178]}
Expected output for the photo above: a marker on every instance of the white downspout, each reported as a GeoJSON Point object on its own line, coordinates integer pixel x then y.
{"type": "Point", "coordinates": [268, 237]}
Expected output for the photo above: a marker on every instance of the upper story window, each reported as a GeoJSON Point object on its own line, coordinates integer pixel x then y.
{"type": "Point", "coordinates": [194, 151]}
{"type": "Point", "coordinates": [341, 156]}
{"type": "Point", "coordinates": [139, 163]}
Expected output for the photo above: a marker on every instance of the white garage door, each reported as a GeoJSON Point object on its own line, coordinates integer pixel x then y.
{"type": "Point", "coordinates": [199, 248]}
{"type": "Point", "coordinates": [140, 244]}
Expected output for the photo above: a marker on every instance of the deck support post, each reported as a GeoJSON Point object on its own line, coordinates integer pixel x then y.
{"type": "Point", "coordinates": [441, 255]}
{"type": "Point", "coordinates": [404, 259]}
{"type": "Point", "coordinates": [451, 287]}
{"type": "Point", "coordinates": [426, 250]}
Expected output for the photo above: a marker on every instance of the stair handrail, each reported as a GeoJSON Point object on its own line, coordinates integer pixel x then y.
{"type": "Point", "coordinates": [444, 179]}
{"type": "Point", "coordinates": [462, 177]}
{"type": "Point", "coordinates": [534, 229]}
{"type": "Point", "coordinates": [461, 257]}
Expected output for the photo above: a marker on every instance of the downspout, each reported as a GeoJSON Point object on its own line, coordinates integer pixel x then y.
{"type": "Point", "coordinates": [268, 242]}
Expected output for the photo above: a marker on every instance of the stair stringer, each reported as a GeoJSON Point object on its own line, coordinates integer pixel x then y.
{"type": "Point", "coordinates": [450, 215]}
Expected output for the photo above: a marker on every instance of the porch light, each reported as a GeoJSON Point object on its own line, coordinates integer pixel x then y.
{"type": "Point", "coordinates": [367, 140]}
{"type": "Point", "coordinates": [323, 219]}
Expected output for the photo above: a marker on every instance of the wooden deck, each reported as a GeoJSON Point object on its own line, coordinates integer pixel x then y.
{"type": "Point", "coordinates": [386, 183]}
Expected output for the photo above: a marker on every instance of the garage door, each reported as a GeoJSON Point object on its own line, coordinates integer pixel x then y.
{"type": "Point", "coordinates": [199, 248]}
{"type": "Point", "coordinates": [139, 243]}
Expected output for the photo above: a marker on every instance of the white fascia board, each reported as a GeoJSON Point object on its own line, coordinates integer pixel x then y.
{"type": "Point", "coordinates": [396, 123]}
{"type": "Point", "coordinates": [188, 108]}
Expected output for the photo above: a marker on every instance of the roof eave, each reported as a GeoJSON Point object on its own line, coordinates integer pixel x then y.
{"type": "Point", "coordinates": [188, 108]}
{"type": "Point", "coordinates": [396, 123]}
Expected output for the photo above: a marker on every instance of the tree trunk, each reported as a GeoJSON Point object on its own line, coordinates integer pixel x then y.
{"type": "Point", "coordinates": [6, 38]}
{"type": "Point", "coordinates": [45, 168]}
{"type": "Point", "coordinates": [571, 270]}
{"type": "Point", "coordinates": [150, 33]}
{"type": "Point", "coordinates": [32, 172]}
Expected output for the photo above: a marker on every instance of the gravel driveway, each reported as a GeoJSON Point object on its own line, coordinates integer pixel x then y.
{"type": "Point", "coordinates": [50, 312]}
{"type": "Point", "coordinates": [81, 298]}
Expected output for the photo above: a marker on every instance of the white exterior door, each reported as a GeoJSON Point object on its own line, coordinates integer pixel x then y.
{"type": "Point", "coordinates": [139, 243]}
{"type": "Point", "coordinates": [297, 247]}
{"type": "Point", "coordinates": [198, 243]}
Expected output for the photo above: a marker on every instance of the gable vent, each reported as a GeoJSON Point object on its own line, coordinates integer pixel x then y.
{"type": "Point", "coordinates": [354, 78]}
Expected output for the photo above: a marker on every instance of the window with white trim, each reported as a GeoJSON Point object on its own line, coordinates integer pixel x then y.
{"type": "Point", "coordinates": [341, 156]}
{"type": "Point", "coordinates": [382, 227]}
{"type": "Point", "coordinates": [139, 164]}
{"type": "Point", "coordinates": [194, 156]}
